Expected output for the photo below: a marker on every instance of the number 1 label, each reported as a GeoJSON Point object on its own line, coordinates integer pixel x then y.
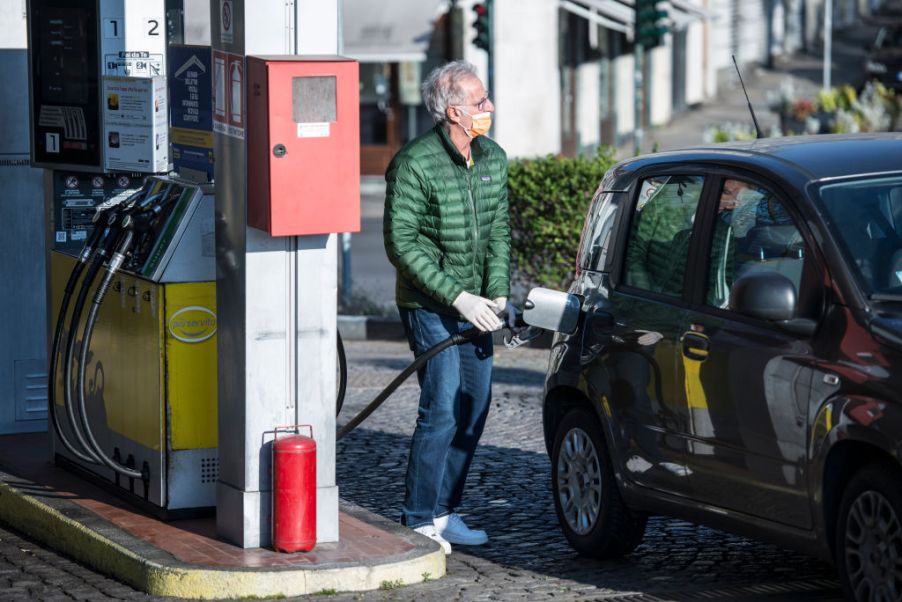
{"type": "Point", "coordinates": [53, 143]}
{"type": "Point", "coordinates": [112, 28]}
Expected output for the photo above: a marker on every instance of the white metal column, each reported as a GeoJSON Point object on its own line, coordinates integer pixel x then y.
{"type": "Point", "coordinates": [276, 300]}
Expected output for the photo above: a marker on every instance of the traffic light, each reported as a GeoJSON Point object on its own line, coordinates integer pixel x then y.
{"type": "Point", "coordinates": [483, 25]}
{"type": "Point", "coordinates": [649, 25]}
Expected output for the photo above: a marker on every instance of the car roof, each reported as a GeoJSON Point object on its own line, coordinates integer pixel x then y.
{"type": "Point", "coordinates": [795, 158]}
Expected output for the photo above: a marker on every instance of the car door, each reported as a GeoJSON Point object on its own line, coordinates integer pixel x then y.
{"type": "Point", "coordinates": [746, 382]}
{"type": "Point", "coordinates": [639, 346]}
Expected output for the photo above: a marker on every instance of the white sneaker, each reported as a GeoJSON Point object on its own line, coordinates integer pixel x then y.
{"type": "Point", "coordinates": [430, 532]}
{"type": "Point", "coordinates": [453, 528]}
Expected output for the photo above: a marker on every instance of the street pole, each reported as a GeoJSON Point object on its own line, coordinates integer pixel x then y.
{"type": "Point", "coordinates": [828, 42]}
{"type": "Point", "coordinates": [491, 57]}
{"type": "Point", "coordinates": [639, 96]}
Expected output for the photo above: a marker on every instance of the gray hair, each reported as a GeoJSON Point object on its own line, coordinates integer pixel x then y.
{"type": "Point", "coordinates": [441, 89]}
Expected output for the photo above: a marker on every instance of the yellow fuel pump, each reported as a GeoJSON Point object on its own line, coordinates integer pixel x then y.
{"type": "Point", "coordinates": [149, 379]}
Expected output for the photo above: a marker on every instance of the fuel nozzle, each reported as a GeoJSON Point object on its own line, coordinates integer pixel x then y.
{"type": "Point", "coordinates": [544, 310]}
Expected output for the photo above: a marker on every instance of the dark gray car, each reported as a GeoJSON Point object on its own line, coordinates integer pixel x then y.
{"type": "Point", "coordinates": [738, 355]}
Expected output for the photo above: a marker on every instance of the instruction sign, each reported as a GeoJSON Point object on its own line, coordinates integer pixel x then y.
{"type": "Point", "coordinates": [135, 124]}
{"type": "Point", "coordinates": [133, 41]}
{"type": "Point", "coordinates": [226, 22]}
{"type": "Point", "coordinates": [228, 94]}
{"type": "Point", "coordinates": [191, 108]}
{"type": "Point", "coordinates": [134, 64]}
{"type": "Point", "coordinates": [75, 197]}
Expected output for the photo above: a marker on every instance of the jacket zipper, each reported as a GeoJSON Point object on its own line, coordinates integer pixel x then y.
{"type": "Point", "coordinates": [475, 224]}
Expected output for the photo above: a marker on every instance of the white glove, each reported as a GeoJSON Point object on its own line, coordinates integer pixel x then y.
{"type": "Point", "coordinates": [501, 305]}
{"type": "Point", "coordinates": [478, 311]}
{"type": "Point", "coordinates": [649, 337]}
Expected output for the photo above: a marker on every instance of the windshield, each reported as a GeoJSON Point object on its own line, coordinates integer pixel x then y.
{"type": "Point", "coordinates": [866, 218]}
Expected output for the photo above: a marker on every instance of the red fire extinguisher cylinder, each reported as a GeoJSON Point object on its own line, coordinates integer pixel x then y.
{"type": "Point", "coordinates": [294, 493]}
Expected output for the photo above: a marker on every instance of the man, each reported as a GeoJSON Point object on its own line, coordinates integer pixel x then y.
{"type": "Point", "coordinates": [733, 221]}
{"type": "Point", "coordinates": [447, 233]}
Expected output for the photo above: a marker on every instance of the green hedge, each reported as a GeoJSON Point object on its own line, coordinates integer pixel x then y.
{"type": "Point", "coordinates": [549, 198]}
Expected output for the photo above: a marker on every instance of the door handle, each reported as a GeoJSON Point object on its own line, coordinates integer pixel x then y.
{"type": "Point", "coordinates": [696, 346]}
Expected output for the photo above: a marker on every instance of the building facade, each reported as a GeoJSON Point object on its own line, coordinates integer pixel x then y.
{"type": "Point", "coordinates": [565, 71]}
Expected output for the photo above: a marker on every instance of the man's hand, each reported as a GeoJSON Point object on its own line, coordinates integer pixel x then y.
{"type": "Point", "coordinates": [503, 305]}
{"type": "Point", "coordinates": [478, 311]}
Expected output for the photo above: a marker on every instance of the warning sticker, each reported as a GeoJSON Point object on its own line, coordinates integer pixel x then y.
{"type": "Point", "coordinates": [228, 94]}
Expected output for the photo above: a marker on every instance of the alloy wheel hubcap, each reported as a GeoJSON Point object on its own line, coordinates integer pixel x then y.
{"type": "Point", "coordinates": [579, 481]}
{"type": "Point", "coordinates": [873, 549]}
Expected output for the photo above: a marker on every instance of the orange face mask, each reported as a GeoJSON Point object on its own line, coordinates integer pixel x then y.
{"type": "Point", "coordinates": [482, 123]}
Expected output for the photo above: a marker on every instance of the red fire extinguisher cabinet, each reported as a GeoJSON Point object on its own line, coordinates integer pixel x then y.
{"type": "Point", "coordinates": [293, 491]}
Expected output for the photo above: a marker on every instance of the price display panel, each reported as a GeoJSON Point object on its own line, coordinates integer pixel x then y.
{"type": "Point", "coordinates": [65, 85]}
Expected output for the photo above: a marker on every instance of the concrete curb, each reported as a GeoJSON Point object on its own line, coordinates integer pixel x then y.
{"type": "Point", "coordinates": [75, 531]}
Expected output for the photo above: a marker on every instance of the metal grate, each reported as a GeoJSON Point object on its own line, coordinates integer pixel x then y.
{"type": "Point", "coordinates": [209, 470]}
{"type": "Point", "coordinates": [31, 389]}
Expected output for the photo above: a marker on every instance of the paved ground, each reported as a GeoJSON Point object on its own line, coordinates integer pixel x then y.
{"type": "Point", "coordinates": [508, 494]}
{"type": "Point", "coordinates": [527, 557]}
{"type": "Point", "coordinates": [29, 571]}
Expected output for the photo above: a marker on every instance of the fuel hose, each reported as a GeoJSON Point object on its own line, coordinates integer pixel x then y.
{"type": "Point", "coordinates": [122, 247]}
{"type": "Point", "coordinates": [455, 339]}
{"type": "Point", "coordinates": [111, 234]}
{"type": "Point", "coordinates": [85, 256]}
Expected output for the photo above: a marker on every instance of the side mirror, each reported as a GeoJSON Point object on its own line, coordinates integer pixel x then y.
{"type": "Point", "coordinates": [552, 310]}
{"type": "Point", "coordinates": [764, 295]}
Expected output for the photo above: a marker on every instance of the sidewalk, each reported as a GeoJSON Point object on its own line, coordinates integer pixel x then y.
{"type": "Point", "coordinates": [803, 71]}
{"type": "Point", "coordinates": [184, 558]}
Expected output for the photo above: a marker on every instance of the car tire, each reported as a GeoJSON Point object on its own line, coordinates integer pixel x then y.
{"type": "Point", "coordinates": [591, 512]}
{"type": "Point", "coordinates": [869, 535]}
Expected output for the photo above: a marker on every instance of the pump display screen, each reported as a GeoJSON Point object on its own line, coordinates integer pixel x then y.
{"type": "Point", "coordinates": [65, 83]}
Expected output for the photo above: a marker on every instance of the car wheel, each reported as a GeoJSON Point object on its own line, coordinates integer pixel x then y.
{"type": "Point", "coordinates": [591, 511]}
{"type": "Point", "coordinates": [869, 536]}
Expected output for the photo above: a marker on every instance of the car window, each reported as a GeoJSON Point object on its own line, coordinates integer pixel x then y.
{"type": "Point", "coordinates": [752, 232]}
{"type": "Point", "coordinates": [596, 236]}
{"type": "Point", "coordinates": [660, 233]}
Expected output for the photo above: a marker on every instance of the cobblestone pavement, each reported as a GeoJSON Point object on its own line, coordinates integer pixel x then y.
{"type": "Point", "coordinates": [527, 557]}
{"type": "Point", "coordinates": [30, 571]}
{"type": "Point", "coordinates": [508, 494]}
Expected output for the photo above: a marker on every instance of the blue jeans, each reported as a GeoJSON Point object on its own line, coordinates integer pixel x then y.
{"type": "Point", "coordinates": [455, 394]}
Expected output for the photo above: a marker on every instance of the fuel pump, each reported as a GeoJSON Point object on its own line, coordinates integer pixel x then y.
{"type": "Point", "coordinates": [134, 349]}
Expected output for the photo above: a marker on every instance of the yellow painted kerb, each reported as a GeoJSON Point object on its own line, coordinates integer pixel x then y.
{"type": "Point", "coordinates": [53, 528]}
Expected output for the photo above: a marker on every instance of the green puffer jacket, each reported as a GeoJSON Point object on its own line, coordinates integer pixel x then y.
{"type": "Point", "coordinates": [446, 227]}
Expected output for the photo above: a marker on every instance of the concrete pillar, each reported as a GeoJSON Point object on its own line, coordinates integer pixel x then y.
{"type": "Point", "coordinates": [276, 300]}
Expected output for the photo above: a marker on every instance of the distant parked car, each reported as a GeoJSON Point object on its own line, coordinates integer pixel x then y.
{"type": "Point", "coordinates": [884, 58]}
{"type": "Point", "coordinates": [737, 359]}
